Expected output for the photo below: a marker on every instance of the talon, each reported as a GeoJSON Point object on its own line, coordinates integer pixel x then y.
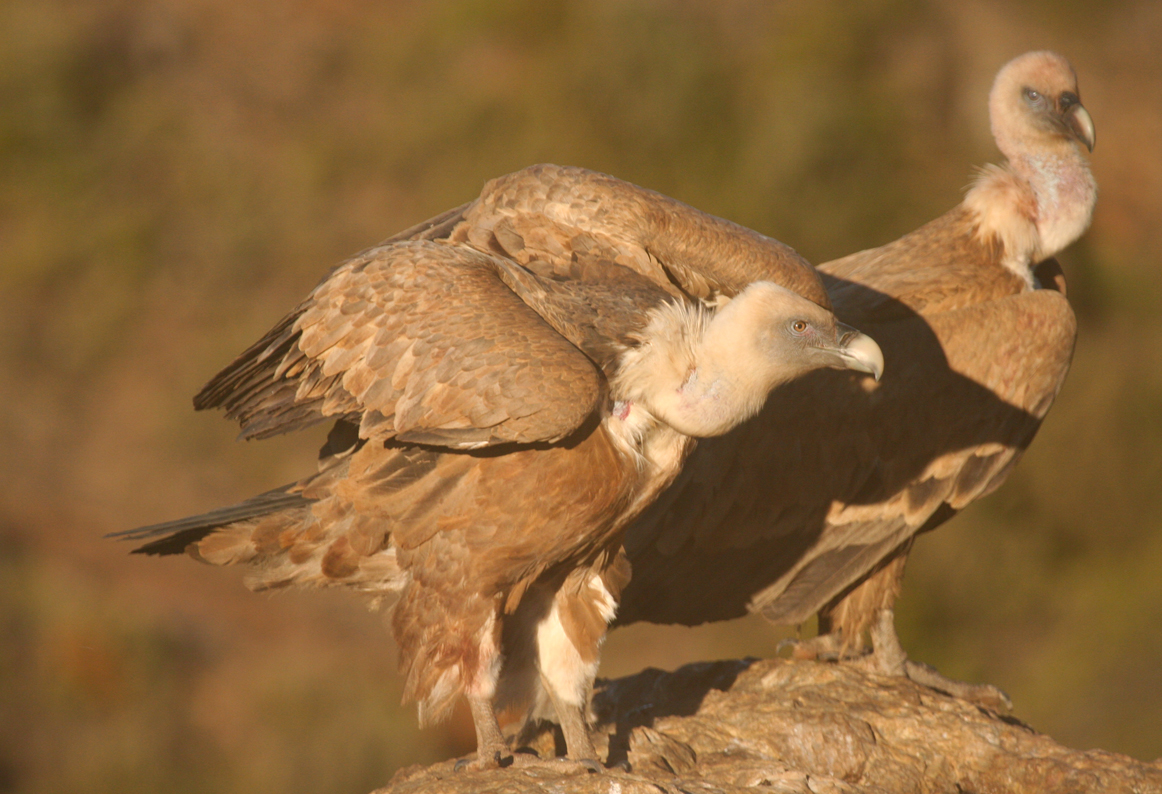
{"type": "Point", "coordinates": [985, 695]}
{"type": "Point", "coordinates": [478, 763]}
{"type": "Point", "coordinates": [594, 766]}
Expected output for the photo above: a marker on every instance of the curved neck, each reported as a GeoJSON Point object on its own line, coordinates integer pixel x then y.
{"type": "Point", "coordinates": [1035, 205]}
{"type": "Point", "coordinates": [1065, 193]}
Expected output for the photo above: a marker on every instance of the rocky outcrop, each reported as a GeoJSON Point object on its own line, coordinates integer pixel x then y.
{"type": "Point", "coordinates": [791, 726]}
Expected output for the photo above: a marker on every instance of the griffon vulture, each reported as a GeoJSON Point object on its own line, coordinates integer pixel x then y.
{"type": "Point", "coordinates": [509, 386]}
{"type": "Point", "coordinates": [813, 506]}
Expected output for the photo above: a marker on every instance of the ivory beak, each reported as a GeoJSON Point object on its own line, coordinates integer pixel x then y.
{"type": "Point", "coordinates": [860, 352]}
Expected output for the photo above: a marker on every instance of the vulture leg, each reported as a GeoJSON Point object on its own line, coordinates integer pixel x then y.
{"type": "Point", "coordinates": [492, 750]}
{"type": "Point", "coordinates": [569, 640]}
{"type": "Point", "coordinates": [853, 615]}
{"type": "Point", "coordinates": [845, 619]}
{"type": "Point", "coordinates": [868, 608]}
{"type": "Point", "coordinates": [889, 657]}
{"type": "Point", "coordinates": [576, 729]}
{"type": "Point", "coordinates": [491, 747]}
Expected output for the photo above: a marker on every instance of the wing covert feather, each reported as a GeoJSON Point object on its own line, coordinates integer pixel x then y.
{"type": "Point", "coordinates": [420, 341]}
{"type": "Point", "coordinates": [555, 215]}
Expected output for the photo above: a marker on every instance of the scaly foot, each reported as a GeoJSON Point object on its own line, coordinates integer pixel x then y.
{"type": "Point", "coordinates": [491, 748]}
{"type": "Point", "coordinates": [888, 657]}
{"type": "Point", "coordinates": [479, 762]}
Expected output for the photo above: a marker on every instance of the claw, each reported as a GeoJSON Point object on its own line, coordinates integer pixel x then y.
{"type": "Point", "coordinates": [889, 657]}
{"type": "Point", "coordinates": [986, 695]}
{"type": "Point", "coordinates": [622, 765]}
{"type": "Point", "coordinates": [479, 763]}
{"type": "Point", "coordinates": [594, 766]}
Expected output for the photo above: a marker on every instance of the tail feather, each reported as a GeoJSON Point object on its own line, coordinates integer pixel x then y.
{"type": "Point", "coordinates": [174, 536]}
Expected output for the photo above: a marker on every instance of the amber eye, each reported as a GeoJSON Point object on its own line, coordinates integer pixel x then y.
{"type": "Point", "coordinates": [799, 326]}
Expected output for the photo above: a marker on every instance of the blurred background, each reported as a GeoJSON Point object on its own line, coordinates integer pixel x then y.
{"type": "Point", "coordinates": [176, 174]}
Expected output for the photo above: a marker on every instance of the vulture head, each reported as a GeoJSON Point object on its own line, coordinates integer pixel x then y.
{"type": "Point", "coordinates": [722, 366]}
{"type": "Point", "coordinates": [1035, 105]}
{"type": "Point", "coordinates": [1043, 199]}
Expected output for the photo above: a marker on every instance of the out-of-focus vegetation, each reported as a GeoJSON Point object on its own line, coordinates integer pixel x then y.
{"type": "Point", "coordinates": [175, 174]}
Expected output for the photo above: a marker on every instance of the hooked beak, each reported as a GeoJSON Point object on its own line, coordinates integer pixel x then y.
{"type": "Point", "coordinates": [859, 351]}
{"type": "Point", "coordinates": [1078, 120]}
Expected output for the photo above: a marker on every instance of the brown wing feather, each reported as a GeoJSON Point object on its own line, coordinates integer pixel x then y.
{"type": "Point", "coordinates": [600, 307]}
{"type": "Point", "coordinates": [553, 215]}
{"type": "Point", "coordinates": [937, 268]}
{"type": "Point", "coordinates": [419, 341]}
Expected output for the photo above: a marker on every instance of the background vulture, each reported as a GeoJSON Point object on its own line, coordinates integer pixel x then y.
{"type": "Point", "coordinates": [510, 384]}
{"type": "Point", "coordinates": [813, 506]}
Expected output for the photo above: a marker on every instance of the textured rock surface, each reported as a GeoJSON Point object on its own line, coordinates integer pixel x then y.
{"type": "Point", "coordinates": [784, 726]}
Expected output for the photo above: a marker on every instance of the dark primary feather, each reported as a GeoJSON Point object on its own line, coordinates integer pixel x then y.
{"type": "Point", "coordinates": [175, 536]}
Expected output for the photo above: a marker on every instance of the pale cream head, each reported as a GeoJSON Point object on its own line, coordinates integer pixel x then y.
{"type": "Point", "coordinates": [764, 337]}
{"type": "Point", "coordinates": [1043, 198]}
{"type": "Point", "coordinates": [1035, 102]}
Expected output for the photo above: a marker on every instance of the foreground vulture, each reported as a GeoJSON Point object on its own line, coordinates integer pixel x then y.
{"type": "Point", "coordinates": [510, 383]}
{"type": "Point", "coordinates": [813, 506]}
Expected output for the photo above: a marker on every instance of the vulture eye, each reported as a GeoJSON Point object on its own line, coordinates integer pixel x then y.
{"type": "Point", "coordinates": [799, 327]}
{"type": "Point", "coordinates": [1032, 96]}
